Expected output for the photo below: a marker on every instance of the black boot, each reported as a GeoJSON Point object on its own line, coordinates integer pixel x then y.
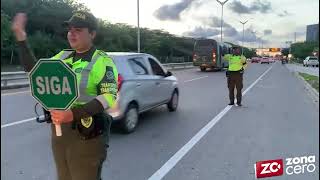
{"type": "Point", "coordinates": [231, 104]}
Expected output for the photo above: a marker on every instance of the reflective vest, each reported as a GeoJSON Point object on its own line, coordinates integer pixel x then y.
{"type": "Point", "coordinates": [90, 76]}
{"type": "Point", "coordinates": [236, 63]}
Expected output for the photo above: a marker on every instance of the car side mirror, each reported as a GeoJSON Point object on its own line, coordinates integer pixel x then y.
{"type": "Point", "coordinates": [169, 74]}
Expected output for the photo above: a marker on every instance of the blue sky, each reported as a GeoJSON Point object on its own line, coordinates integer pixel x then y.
{"type": "Point", "coordinates": [273, 21]}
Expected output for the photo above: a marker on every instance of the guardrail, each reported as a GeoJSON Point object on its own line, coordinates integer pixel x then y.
{"type": "Point", "coordinates": [12, 80]}
{"type": "Point", "coordinates": [19, 79]}
{"type": "Point", "coordinates": [178, 65]}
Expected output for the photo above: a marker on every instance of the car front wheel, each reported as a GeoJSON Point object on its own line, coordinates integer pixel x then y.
{"type": "Point", "coordinates": [130, 120]}
{"type": "Point", "coordinates": [203, 69]}
{"type": "Point", "coordinates": [174, 101]}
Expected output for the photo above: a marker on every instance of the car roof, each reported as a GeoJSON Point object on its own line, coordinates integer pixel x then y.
{"type": "Point", "coordinates": [125, 53]}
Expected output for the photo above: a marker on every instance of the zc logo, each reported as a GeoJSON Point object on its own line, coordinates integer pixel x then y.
{"type": "Point", "coordinates": [269, 168]}
{"type": "Point", "coordinates": [296, 165]}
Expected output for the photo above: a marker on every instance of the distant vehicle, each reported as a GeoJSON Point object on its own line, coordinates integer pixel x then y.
{"type": "Point", "coordinates": [208, 53]}
{"type": "Point", "coordinates": [284, 61]}
{"type": "Point", "coordinates": [265, 60]}
{"type": "Point", "coordinates": [272, 60]}
{"type": "Point", "coordinates": [255, 60]}
{"type": "Point", "coordinates": [143, 84]}
{"type": "Point", "coordinates": [311, 61]}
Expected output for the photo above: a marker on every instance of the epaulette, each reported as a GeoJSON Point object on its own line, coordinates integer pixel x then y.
{"type": "Point", "coordinates": [68, 50]}
{"type": "Point", "coordinates": [102, 53]}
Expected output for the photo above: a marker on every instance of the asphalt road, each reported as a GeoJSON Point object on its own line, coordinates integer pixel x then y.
{"type": "Point", "coordinates": [278, 120]}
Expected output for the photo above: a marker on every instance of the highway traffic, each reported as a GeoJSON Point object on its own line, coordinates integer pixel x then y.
{"type": "Point", "coordinates": [204, 139]}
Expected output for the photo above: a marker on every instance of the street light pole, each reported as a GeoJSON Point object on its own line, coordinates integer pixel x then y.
{"type": "Point", "coordinates": [221, 3]}
{"type": "Point", "coordinates": [289, 42]}
{"type": "Point", "coordinates": [243, 23]}
{"type": "Point", "coordinates": [255, 37]}
{"type": "Point", "coordinates": [138, 33]}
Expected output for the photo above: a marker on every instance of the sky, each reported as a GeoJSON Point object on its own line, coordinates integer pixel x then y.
{"type": "Point", "coordinates": [271, 23]}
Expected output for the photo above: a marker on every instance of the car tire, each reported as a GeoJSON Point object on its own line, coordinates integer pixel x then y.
{"type": "Point", "coordinates": [202, 69]}
{"type": "Point", "coordinates": [131, 118]}
{"type": "Point", "coordinates": [174, 101]}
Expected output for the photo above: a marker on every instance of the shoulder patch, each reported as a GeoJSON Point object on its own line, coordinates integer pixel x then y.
{"type": "Point", "coordinates": [109, 76]}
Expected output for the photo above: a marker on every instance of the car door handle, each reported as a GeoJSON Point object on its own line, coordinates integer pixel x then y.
{"type": "Point", "coordinates": [157, 83]}
{"type": "Point", "coordinates": [138, 84]}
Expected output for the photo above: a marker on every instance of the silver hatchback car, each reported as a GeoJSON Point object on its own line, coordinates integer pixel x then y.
{"type": "Point", "coordinates": [143, 84]}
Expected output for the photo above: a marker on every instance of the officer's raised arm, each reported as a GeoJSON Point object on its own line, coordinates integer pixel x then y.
{"type": "Point", "coordinates": [26, 56]}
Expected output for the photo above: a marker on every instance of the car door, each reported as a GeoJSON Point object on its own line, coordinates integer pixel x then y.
{"type": "Point", "coordinates": [143, 82]}
{"type": "Point", "coordinates": [162, 83]}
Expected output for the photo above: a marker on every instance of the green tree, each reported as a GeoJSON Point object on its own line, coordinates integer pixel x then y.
{"type": "Point", "coordinates": [303, 49]}
{"type": "Point", "coordinates": [47, 36]}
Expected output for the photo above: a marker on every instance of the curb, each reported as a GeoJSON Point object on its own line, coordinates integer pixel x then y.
{"type": "Point", "coordinates": [311, 91]}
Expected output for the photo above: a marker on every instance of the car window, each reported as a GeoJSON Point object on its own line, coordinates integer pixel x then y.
{"type": "Point", "coordinates": [156, 68]}
{"type": "Point", "coordinates": [138, 66]}
{"type": "Point", "coordinates": [312, 58]}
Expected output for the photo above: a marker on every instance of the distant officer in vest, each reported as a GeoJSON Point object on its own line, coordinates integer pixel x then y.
{"type": "Point", "coordinates": [237, 64]}
{"type": "Point", "coordinates": [81, 150]}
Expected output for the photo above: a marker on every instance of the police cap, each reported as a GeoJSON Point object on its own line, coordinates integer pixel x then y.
{"type": "Point", "coordinates": [82, 19]}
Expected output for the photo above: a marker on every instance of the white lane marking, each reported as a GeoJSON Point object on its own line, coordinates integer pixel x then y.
{"type": "Point", "coordinates": [19, 122]}
{"type": "Point", "coordinates": [195, 79]}
{"type": "Point", "coordinates": [14, 93]}
{"type": "Point", "coordinates": [195, 139]}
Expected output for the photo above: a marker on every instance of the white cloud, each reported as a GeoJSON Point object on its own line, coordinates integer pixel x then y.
{"type": "Point", "coordinates": [283, 28]}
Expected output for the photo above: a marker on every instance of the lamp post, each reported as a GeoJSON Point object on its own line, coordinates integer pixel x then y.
{"type": "Point", "coordinates": [243, 23]}
{"type": "Point", "coordinates": [221, 3]}
{"type": "Point", "coordinates": [289, 42]}
{"type": "Point", "coordinates": [138, 33]}
{"type": "Point", "coordinates": [255, 37]}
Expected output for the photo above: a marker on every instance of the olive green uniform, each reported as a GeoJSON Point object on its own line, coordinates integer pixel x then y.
{"type": "Point", "coordinates": [78, 158]}
{"type": "Point", "coordinates": [78, 154]}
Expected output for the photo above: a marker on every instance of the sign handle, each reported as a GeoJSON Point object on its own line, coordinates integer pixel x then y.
{"type": "Point", "coordinates": [58, 130]}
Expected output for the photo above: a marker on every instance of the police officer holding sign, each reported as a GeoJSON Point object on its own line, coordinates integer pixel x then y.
{"type": "Point", "coordinates": [81, 150]}
{"type": "Point", "coordinates": [237, 64]}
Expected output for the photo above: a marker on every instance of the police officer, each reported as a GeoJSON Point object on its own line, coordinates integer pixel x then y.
{"type": "Point", "coordinates": [81, 150]}
{"type": "Point", "coordinates": [237, 64]}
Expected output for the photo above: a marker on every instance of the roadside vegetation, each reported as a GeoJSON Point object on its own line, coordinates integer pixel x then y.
{"type": "Point", "coordinates": [312, 80]}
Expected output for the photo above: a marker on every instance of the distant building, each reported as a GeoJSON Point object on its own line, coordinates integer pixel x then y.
{"type": "Point", "coordinates": [312, 32]}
